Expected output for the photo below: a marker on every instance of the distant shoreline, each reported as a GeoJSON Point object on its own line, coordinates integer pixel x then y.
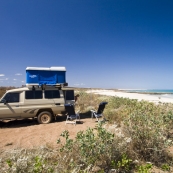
{"type": "Point", "coordinates": [148, 91]}
{"type": "Point", "coordinates": [151, 97]}
{"type": "Point", "coordinates": [152, 93]}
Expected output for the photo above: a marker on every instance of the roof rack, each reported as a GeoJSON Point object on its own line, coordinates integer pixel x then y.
{"type": "Point", "coordinates": [44, 86]}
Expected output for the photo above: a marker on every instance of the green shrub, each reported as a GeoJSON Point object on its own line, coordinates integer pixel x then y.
{"type": "Point", "coordinates": [145, 168]}
{"type": "Point", "coordinates": [94, 147]}
{"type": "Point", "coordinates": [147, 129]}
{"type": "Point", "coordinates": [165, 167]}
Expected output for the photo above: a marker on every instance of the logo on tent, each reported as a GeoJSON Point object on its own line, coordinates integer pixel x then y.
{"type": "Point", "coordinates": [32, 76]}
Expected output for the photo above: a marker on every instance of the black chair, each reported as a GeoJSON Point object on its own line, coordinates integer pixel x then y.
{"type": "Point", "coordinates": [72, 117]}
{"type": "Point", "coordinates": [99, 113]}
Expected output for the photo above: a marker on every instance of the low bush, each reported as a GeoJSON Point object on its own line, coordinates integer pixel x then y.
{"type": "Point", "coordinates": [91, 151]}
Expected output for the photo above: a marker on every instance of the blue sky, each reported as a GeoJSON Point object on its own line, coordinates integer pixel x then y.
{"type": "Point", "coordinates": [102, 43]}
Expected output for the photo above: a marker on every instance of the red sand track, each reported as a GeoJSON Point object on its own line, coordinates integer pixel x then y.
{"type": "Point", "coordinates": [29, 134]}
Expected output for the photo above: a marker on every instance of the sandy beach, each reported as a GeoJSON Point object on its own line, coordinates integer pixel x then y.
{"type": "Point", "coordinates": [147, 97]}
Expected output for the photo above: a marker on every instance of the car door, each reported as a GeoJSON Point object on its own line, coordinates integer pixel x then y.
{"type": "Point", "coordinates": [56, 98]}
{"type": "Point", "coordinates": [10, 106]}
{"type": "Point", "coordinates": [33, 101]}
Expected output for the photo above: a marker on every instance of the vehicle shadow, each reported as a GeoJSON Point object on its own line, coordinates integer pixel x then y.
{"type": "Point", "coordinates": [33, 121]}
{"type": "Point", "coordinates": [18, 123]}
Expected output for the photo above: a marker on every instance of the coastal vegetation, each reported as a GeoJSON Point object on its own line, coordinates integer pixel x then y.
{"type": "Point", "coordinates": [135, 136]}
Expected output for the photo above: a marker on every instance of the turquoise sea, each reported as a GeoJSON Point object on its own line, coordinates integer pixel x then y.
{"type": "Point", "coordinates": [153, 91]}
{"type": "Point", "coordinates": [163, 93]}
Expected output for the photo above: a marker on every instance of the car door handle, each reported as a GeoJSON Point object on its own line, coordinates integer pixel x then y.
{"type": "Point", "coordinates": [57, 103]}
{"type": "Point", "coordinates": [16, 105]}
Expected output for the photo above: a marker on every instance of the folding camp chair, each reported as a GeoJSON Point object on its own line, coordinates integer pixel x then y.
{"type": "Point", "coordinates": [99, 112]}
{"type": "Point", "coordinates": [72, 117]}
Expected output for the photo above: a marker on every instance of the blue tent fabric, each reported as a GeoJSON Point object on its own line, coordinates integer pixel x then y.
{"type": "Point", "coordinates": [41, 77]}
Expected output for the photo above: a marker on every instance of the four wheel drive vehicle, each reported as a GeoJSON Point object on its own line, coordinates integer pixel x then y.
{"type": "Point", "coordinates": [45, 104]}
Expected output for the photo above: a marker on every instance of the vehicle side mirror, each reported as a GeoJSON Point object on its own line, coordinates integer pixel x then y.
{"type": "Point", "coordinates": [4, 101]}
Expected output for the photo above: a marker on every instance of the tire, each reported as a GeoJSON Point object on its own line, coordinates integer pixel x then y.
{"type": "Point", "coordinates": [44, 117]}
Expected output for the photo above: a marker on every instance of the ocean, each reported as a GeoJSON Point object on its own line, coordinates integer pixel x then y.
{"type": "Point", "coordinates": [164, 93]}
{"type": "Point", "coordinates": [153, 91]}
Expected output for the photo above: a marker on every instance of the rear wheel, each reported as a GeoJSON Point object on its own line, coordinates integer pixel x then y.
{"type": "Point", "coordinates": [44, 117]}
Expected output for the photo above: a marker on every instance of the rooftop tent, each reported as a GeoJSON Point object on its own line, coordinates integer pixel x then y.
{"type": "Point", "coordinates": [45, 76]}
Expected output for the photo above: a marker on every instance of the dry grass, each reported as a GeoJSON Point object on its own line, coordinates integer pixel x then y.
{"type": "Point", "coordinates": [4, 89]}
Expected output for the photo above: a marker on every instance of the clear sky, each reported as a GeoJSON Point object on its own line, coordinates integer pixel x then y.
{"type": "Point", "coordinates": [102, 43]}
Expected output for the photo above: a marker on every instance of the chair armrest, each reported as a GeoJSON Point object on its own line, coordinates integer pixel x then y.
{"type": "Point", "coordinates": [78, 111]}
{"type": "Point", "coordinates": [93, 111]}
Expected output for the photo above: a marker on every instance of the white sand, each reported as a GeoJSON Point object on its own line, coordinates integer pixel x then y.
{"type": "Point", "coordinates": [146, 97]}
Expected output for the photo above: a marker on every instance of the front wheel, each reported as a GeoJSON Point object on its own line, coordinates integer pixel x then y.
{"type": "Point", "coordinates": [44, 117]}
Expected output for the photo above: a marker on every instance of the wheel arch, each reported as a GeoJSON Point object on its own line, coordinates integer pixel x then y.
{"type": "Point", "coordinates": [45, 109]}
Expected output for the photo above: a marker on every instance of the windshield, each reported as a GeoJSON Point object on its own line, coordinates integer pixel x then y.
{"type": "Point", "coordinates": [10, 97]}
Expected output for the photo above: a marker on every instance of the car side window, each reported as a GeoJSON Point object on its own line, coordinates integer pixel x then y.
{"type": "Point", "coordinates": [33, 94]}
{"type": "Point", "coordinates": [69, 95]}
{"type": "Point", "coordinates": [12, 97]}
{"type": "Point", "coordinates": [51, 94]}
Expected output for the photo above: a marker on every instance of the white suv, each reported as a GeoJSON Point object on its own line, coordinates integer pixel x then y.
{"type": "Point", "coordinates": [28, 103]}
